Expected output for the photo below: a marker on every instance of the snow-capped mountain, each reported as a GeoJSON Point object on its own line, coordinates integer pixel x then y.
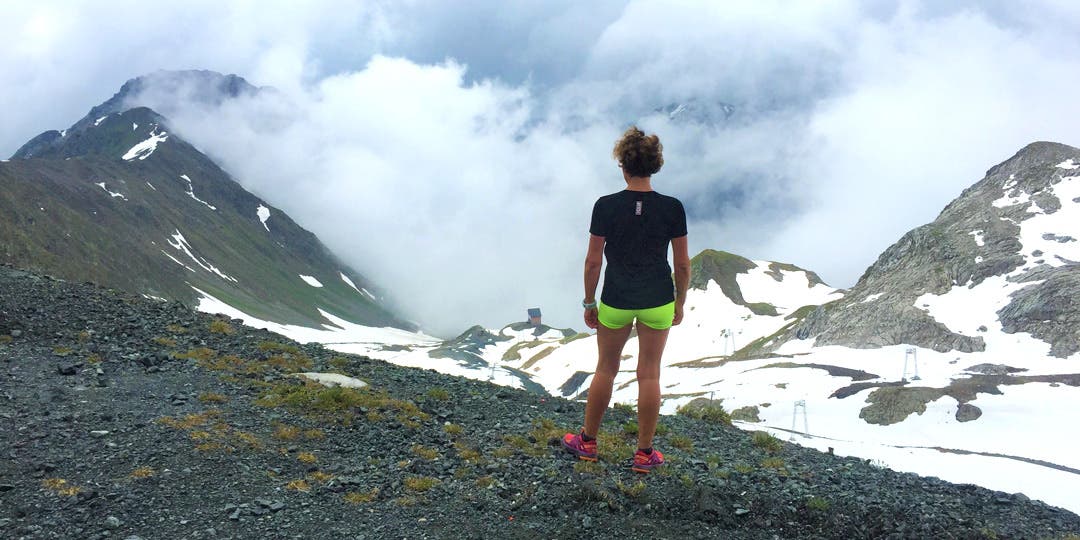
{"type": "Point", "coordinates": [120, 199]}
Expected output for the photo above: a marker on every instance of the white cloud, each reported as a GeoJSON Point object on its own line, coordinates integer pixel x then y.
{"type": "Point", "coordinates": [457, 169]}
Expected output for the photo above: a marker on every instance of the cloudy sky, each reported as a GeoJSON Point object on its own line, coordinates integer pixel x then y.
{"type": "Point", "coordinates": [451, 151]}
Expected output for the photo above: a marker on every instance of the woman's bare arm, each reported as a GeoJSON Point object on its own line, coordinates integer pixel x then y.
{"type": "Point", "coordinates": [681, 252]}
{"type": "Point", "coordinates": [594, 260]}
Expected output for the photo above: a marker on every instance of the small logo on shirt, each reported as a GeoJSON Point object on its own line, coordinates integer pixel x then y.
{"type": "Point", "coordinates": [637, 208]}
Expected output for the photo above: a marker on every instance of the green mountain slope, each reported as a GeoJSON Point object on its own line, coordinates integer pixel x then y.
{"type": "Point", "coordinates": [164, 221]}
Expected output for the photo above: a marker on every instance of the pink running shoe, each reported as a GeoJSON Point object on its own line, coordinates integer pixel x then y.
{"type": "Point", "coordinates": [643, 463]}
{"type": "Point", "coordinates": [584, 450]}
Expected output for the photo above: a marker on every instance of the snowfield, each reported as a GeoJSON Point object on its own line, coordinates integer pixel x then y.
{"type": "Point", "coordinates": [146, 148]}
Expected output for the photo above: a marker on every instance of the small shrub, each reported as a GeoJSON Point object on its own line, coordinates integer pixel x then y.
{"type": "Point", "coordinates": [743, 468]}
{"type": "Point", "coordinates": [420, 483]}
{"type": "Point", "coordinates": [220, 326]}
{"type": "Point", "coordinates": [273, 346]}
{"type": "Point", "coordinates": [766, 442]}
{"type": "Point", "coordinates": [687, 480]}
{"type": "Point", "coordinates": [817, 503]}
{"type": "Point", "coordinates": [613, 447]}
{"type": "Point", "coordinates": [314, 434]}
{"type": "Point", "coordinates": [425, 452]}
{"type": "Point", "coordinates": [285, 432]}
{"type": "Point", "coordinates": [63, 351]}
{"type": "Point", "coordinates": [772, 463]}
{"type": "Point", "coordinates": [298, 485]}
{"type": "Point", "coordinates": [630, 428]}
{"type": "Point", "coordinates": [466, 452]}
{"type": "Point", "coordinates": [165, 342]}
{"type": "Point", "coordinates": [354, 497]}
{"type": "Point", "coordinates": [682, 442]}
{"type": "Point", "coordinates": [320, 477]}
{"type": "Point", "coordinates": [94, 359]}
{"type": "Point", "coordinates": [709, 411]}
{"type": "Point", "coordinates": [141, 473]}
{"type": "Point", "coordinates": [406, 501]}
{"type": "Point", "coordinates": [624, 407]}
{"type": "Point", "coordinates": [212, 397]}
{"type": "Point", "coordinates": [438, 394]}
{"type": "Point", "coordinates": [175, 329]}
{"type": "Point", "coordinates": [631, 490]}
{"type": "Point", "coordinates": [485, 482]}
{"type": "Point", "coordinates": [661, 430]}
{"type": "Point", "coordinates": [452, 429]}
{"type": "Point", "coordinates": [211, 447]}
{"type": "Point", "coordinates": [338, 362]}
{"type": "Point", "coordinates": [588, 467]}
{"type": "Point", "coordinates": [199, 354]}
{"type": "Point", "coordinates": [5, 339]}
{"type": "Point", "coordinates": [502, 452]}
{"type": "Point", "coordinates": [306, 457]}
{"type": "Point", "coordinates": [61, 487]}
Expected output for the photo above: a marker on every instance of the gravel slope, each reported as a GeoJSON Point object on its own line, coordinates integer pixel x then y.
{"type": "Point", "coordinates": [124, 418]}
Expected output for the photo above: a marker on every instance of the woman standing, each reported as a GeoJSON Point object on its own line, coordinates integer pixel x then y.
{"type": "Point", "coordinates": [633, 228]}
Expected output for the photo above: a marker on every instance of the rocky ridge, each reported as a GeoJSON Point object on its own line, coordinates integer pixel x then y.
{"type": "Point", "coordinates": [976, 237]}
{"type": "Point", "coordinates": [131, 418]}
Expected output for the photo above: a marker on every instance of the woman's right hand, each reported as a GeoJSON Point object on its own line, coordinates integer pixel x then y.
{"type": "Point", "coordinates": [591, 318]}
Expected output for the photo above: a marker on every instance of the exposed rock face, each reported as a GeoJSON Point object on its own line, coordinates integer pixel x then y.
{"type": "Point", "coordinates": [976, 237]}
{"type": "Point", "coordinates": [967, 412]}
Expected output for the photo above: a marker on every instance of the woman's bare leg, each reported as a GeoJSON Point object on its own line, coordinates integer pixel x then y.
{"type": "Point", "coordinates": [609, 344]}
{"type": "Point", "coordinates": [651, 344]}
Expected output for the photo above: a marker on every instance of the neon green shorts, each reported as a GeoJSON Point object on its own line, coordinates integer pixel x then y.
{"type": "Point", "coordinates": [657, 318]}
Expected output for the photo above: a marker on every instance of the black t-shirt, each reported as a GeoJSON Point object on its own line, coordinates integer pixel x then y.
{"type": "Point", "coordinates": [637, 227]}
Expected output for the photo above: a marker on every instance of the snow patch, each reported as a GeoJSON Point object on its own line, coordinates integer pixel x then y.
{"type": "Point", "coordinates": [338, 334]}
{"type": "Point", "coordinates": [1068, 165]}
{"type": "Point", "coordinates": [978, 236]}
{"type": "Point", "coordinates": [178, 261]}
{"type": "Point", "coordinates": [134, 126]}
{"type": "Point", "coordinates": [264, 214]}
{"type": "Point", "coordinates": [155, 298]}
{"type": "Point", "coordinates": [151, 186]}
{"type": "Point", "coordinates": [310, 280]}
{"type": "Point", "coordinates": [191, 193]}
{"type": "Point", "coordinates": [180, 243]}
{"type": "Point", "coordinates": [100, 120]}
{"type": "Point", "coordinates": [331, 379]}
{"type": "Point", "coordinates": [872, 297]}
{"type": "Point", "coordinates": [63, 133]}
{"type": "Point", "coordinates": [144, 149]}
{"type": "Point", "coordinates": [113, 194]}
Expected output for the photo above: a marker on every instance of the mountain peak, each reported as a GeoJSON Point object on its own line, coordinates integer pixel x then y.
{"type": "Point", "coordinates": [169, 88]}
{"type": "Point", "coordinates": [151, 97]}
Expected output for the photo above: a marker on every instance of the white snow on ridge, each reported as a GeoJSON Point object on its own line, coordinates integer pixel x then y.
{"type": "Point", "coordinates": [264, 214]}
{"type": "Point", "coordinates": [338, 334]}
{"type": "Point", "coordinates": [1068, 165]}
{"type": "Point", "coordinates": [100, 120]}
{"type": "Point", "coordinates": [872, 297]}
{"type": "Point", "coordinates": [151, 186]}
{"type": "Point", "coordinates": [144, 149]}
{"type": "Point", "coordinates": [360, 290]}
{"type": "Point", "coordinates": [111, 193]}
{"type": "Point", "coordinates": [178, 261]}
{"type": "Point", "coordinates": [310, 280]}
{"type": "Point", "coordinates": [180, 243]}
{"type": "Point", "coordinates": [191, 193]}
{"type": "Point", "coordinates": [134, 126]}
{"type": "Point", "coordinates": [978, 236]}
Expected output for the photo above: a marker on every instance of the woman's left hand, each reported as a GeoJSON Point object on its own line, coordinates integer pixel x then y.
{"type": "Point", "coordinates": [591, 318]}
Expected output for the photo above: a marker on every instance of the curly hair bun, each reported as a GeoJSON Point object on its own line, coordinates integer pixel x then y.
{"type": "Point", "coordinates": [639, 154]}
